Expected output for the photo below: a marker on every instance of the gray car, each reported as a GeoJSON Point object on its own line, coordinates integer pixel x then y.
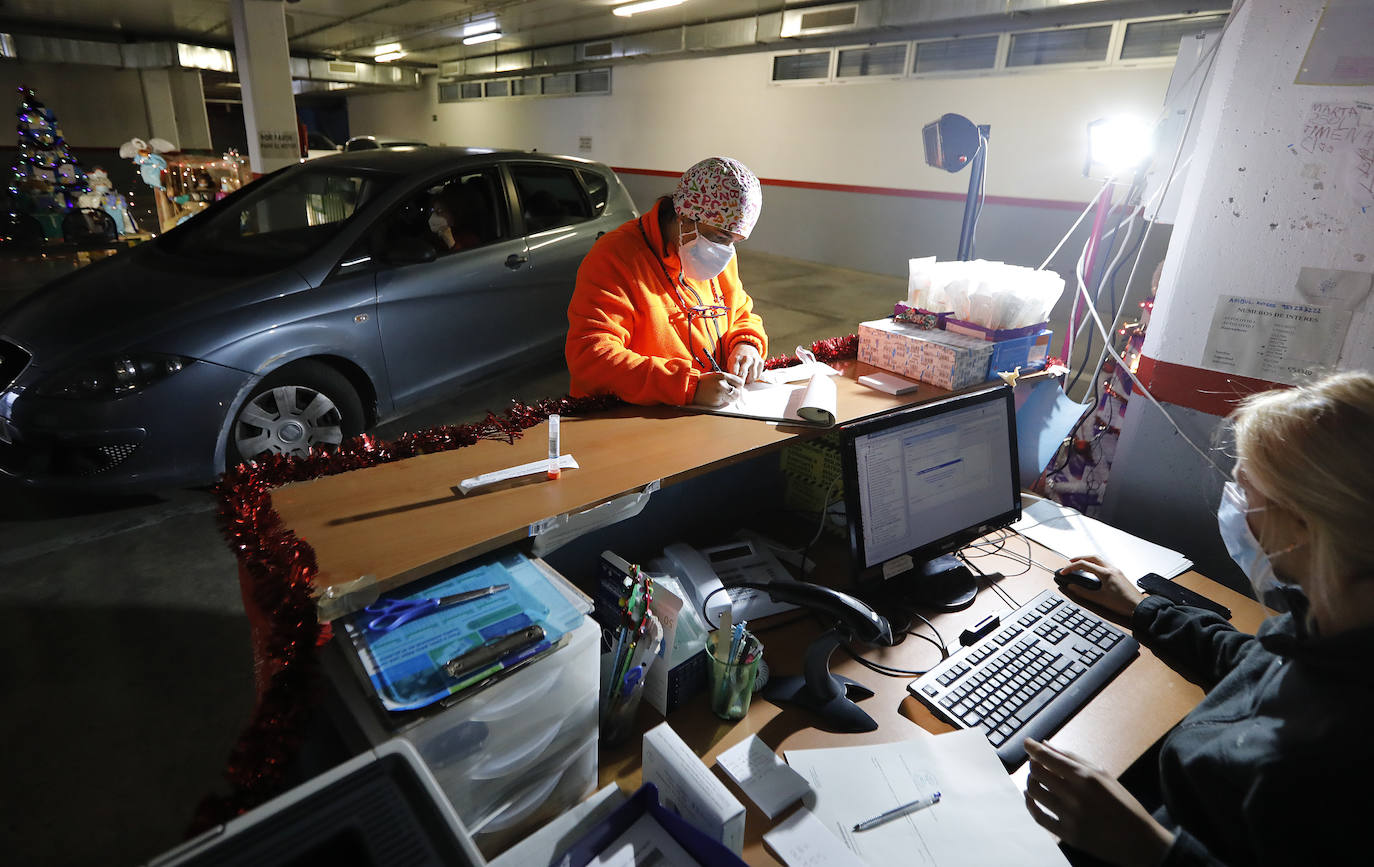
{"type": "Point", "coordinates": [297, 312]}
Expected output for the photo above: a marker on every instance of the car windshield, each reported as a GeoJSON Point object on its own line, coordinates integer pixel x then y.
{"type": "Point", "coordinates": [290, 216]}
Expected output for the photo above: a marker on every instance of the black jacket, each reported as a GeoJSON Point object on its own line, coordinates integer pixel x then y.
{"type": "Point", "coordinates": [1276, 764]}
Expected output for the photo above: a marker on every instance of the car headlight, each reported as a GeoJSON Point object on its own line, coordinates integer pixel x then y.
{"type": "Point", "coordinates": [113, 377]}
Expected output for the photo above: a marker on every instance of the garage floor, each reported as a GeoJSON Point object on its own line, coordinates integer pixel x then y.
{"type": "Point", "coordinates": [128, 672]}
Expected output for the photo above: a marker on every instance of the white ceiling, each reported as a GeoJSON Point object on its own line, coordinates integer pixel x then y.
{"type": "Point", "coordinates": [430, 31]}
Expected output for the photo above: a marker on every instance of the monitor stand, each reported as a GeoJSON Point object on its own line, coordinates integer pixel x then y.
{"type": "Point", "coordinates": [943, 584]}
{"type": "Point", "coordinates": [829, 696]}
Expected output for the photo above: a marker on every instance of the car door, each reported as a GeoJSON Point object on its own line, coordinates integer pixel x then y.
{"type": "Point", "coordinates": [454, 315]}
{"type": "Point", "coordinates": [560, 223]}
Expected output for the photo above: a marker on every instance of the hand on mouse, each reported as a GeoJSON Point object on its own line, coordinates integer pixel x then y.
{"type": "Point", "coordinates": [1118, 594]}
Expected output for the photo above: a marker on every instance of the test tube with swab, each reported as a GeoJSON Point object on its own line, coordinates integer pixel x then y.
{"type": "Point", "coordinates": [554, 469]}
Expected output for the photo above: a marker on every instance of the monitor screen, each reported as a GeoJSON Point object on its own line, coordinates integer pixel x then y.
{"type": "Point", "coordinates": [926, 480]}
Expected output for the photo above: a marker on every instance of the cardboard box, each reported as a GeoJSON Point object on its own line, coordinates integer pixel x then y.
{"type": "Point", "coordinates": [937, 357]}
{"type": "Point", "coordinates": [687, 787]}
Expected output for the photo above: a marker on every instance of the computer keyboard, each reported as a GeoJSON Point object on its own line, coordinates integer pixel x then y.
{"type": "Point", "coordinates": [1028, 677]}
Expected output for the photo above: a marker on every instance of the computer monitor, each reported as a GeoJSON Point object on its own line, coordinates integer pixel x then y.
{"type": "Point", "coordinates": [923, 481]}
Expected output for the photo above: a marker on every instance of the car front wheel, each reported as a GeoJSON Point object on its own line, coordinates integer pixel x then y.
{"type": "Point", "coordinates": [303, 406]}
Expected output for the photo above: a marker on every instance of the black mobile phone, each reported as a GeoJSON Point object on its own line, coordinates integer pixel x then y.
{"type": "Point", "coordinates": [1175, 592]}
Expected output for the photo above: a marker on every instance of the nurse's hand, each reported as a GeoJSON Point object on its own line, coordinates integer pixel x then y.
{"type": "Point", "coordinates": [1118, 595]}
{"type": "Point", "coordinates": [1087, 809]}
{"type": "Point", "coordinates": [745, 361]}
{"type": "Point", "coordinates": [717, 389]}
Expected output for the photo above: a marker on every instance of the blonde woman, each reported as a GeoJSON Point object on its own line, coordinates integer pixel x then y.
{"type": "Point", "coordinates": [1274, 766]}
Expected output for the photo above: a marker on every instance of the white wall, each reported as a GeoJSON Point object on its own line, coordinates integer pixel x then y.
{"type": "Point", "coordinates": [96, 106]}
{"type": "Point", "coordinates": [666, 115]}
{"type": "Point", "coordinates": [1257, 187]}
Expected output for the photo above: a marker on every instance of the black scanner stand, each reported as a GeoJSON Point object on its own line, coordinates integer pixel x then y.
{"type": "Point", "coordinates": [829, 696]}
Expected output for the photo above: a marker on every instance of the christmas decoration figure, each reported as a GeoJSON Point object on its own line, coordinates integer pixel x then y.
{"type": "Point", "coordinates": [152, 167]}
{"type": "Point", "coordinates": [44, 172]}
{"type": "Point", "coordinates": [104, 196]}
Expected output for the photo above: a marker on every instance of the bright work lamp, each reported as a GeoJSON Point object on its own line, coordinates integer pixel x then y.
{"type": "Point", "coordinates": [1117, 144]}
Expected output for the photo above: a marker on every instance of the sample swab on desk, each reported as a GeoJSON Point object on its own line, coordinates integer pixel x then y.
{"type": "Point", "coordinates": [565, 462]}
{"type": "Point", "coordinates": [554, 469]}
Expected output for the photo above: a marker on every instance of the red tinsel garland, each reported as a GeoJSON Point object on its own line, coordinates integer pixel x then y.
{"type": "Point", "coordinates": [280, 569]}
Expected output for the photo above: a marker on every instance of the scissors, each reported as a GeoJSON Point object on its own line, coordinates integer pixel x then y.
{"type": "Point", "coordinates": [392, 613]}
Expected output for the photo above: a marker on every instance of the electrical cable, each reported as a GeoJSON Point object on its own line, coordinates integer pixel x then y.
{"type": "Point", "coordinates": [1209, 60]}
{"type": "Point", "coordinates": [1006, 597]}
{"type": "Point", "coordinates": [825, 509]}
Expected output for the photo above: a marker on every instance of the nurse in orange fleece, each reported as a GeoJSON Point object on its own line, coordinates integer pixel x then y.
{"type": "Point", "coordinates": [658, 314]}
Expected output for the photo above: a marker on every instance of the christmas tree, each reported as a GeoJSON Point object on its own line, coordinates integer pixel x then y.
{"type": "Point", "coordinates": [45, 172]}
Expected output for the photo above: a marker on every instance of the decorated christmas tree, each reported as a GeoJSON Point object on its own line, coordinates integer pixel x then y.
{"type": "Point", "coordinates": [44, 172]}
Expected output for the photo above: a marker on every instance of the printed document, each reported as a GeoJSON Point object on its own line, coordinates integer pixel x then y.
{"type": "Point", "coordinates": [810, 403]}
{"type": "Point", "coordinates": [1068, 532]}
{"type": "Point", "coordinates": [981, 817]}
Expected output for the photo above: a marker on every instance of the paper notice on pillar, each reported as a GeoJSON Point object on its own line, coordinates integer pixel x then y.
{"type": "Point", "coordinates": [1274, 340]}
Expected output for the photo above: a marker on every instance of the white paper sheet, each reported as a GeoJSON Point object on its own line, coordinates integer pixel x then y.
{"type": "Point", "coordinates": [1068, 532]}
{"type": "Point", "coordinates": [811, 403]}
{"type": "Point", "coordinates": [644, 844]}
{"type": "Point", "coordinates": [765, 778]}
{"type": "Point", "coordinates": [803, 841]}
{"type": "Point", "coordinates": [981, 818]}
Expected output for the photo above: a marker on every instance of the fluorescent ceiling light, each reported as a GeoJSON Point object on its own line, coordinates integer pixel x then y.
{"type": "Point", "coordinates": [477, 27]}
{"type": "Point", "coordinates": [389, 56]}
{"type": "Point", "coordinates": [388, 48]}
{"type": "Point", "coordinates": [645, 6]}
{"type": "Point", "coordinates": [482, 37]}
{"type": "Point", "coordinates": [196, 57]}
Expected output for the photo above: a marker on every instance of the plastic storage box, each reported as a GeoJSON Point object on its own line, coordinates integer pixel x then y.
{"type": "Point", "coordinates": [509, 757]}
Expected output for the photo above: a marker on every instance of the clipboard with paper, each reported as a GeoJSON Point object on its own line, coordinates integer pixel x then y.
{"type": "Point", "coordinates": [802, 394]}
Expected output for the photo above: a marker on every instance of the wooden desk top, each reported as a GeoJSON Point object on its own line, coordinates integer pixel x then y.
{"type": "Point", "coordinates": [382, 527]}
{"type": "Point", "coordinates": [1120, 723]}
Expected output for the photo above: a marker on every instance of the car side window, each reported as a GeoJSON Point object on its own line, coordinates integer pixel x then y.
{"type": "Point", "coordinates": [597, 189]}
{"type": "Point", "coordinates": [460, 212]}
{"type": "Point", "coordinates": [549, 197]}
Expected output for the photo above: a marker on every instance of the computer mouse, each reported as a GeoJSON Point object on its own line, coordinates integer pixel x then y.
{"type": "Point", "coordinates": [1086, 580]}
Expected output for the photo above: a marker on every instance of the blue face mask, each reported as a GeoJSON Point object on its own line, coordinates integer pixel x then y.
{"type": "Point", "coordinates": [1242, 545]}
{"type": "Point", "coordinates": [704, 259]}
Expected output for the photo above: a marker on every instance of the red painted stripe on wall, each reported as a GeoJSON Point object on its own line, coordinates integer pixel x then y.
{"type": "Point", "coordinates": [1209, 391]}
{"type": "Point", "coordinates": [1057, 204]}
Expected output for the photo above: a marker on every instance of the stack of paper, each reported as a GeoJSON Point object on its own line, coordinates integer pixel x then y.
{"type": "Point", "coordinates": [1068, 532]}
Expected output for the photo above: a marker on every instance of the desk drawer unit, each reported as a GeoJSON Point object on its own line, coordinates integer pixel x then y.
{"type": "Point", "coordinates": [509, 756]}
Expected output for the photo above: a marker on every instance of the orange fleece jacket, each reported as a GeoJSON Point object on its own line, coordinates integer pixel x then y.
{"type": "Point", "coordinates": [628, 331]}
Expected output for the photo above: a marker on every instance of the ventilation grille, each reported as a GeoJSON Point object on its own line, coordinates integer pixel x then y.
{"type": "Point", "coordinates": [596, 50]}
{"type": "Point", "coordinates": [829, 19]}
{"type": "Point", "coordinates": [339, 67]}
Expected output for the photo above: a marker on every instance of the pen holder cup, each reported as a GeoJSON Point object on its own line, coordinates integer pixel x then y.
{"type": "Point", "coordinates": [619, 706]}
{"type": "Point", "coordinates": [732, 681]}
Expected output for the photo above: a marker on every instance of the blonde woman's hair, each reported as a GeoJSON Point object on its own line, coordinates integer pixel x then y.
{"type": "Point", "coordinates": [1311, 450]}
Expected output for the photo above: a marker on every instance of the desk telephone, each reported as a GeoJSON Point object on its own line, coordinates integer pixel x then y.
{"type": "Point", "coordinates": [704, 572]}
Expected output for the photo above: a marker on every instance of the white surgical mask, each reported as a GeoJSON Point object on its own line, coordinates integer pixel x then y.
{"type": "Point", "coordinates": [704, 259]}
{"type": "Point", "coordinates": [1241, 543]}
{"type": "Point", "coordinates": [437, 224]}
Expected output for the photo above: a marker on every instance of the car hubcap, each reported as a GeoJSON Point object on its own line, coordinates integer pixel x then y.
{"type": "Point", "coordinates": [288, 420]}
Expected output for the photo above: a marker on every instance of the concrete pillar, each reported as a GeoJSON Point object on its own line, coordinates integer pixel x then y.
{"type": "Point", "coordinates": [175, 102]}
{"type": "Point", "coordinates": [1274, 187]}
{"type": "Point", "coordinates": [264, 67]}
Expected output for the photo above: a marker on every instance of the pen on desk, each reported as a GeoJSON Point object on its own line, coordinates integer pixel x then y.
{"type": "Point", "coordinates": [896, 812]}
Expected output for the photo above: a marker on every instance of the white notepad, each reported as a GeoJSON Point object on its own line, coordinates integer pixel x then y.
{"type": "Point", "coordinates": [765, 778]}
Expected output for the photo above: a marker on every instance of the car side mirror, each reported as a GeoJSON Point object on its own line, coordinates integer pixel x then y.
{"type": "Point", "coordinates": [409, 251]}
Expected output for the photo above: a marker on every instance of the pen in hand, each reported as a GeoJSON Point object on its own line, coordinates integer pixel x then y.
{"type": "Point", "coordinates": [896, 812]}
